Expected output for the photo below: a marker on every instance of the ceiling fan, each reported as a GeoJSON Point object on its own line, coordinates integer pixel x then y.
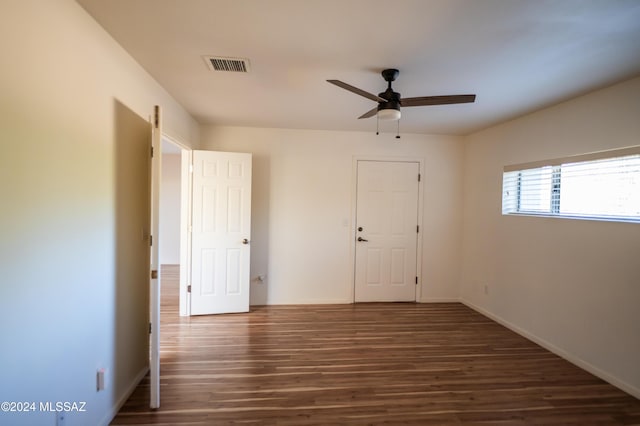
{"type": "Point", "coordinates": [389, 102]}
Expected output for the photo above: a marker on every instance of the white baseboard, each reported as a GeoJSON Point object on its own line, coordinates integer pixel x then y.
{"type": "Point", "coordinates": [438, 300]}
{"type": "Point", "coordinates": [348, 302]}
{"type": "Point", "coordinates": [632, 390]}
{"type": "Point", "coordinates": [123, 398]}
{"type": "Point", "coordinates": [309, 302]}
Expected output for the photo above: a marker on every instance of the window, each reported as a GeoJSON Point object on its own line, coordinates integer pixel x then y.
{"type": "Point", "coordinates": [604, 185]}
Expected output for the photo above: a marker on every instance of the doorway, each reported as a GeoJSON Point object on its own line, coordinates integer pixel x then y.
{"type": "Point", "coordinates": [171, 228]}
{"type": "Point", "coordinates": [387, 229]}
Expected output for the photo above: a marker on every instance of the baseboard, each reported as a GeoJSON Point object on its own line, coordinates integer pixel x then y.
{"type": "Point", "coordinates": [632, 390]}
{"type": "Point", "coordinates": [438, 300]}
{"type": "Point", "coordinates": [309, 302]}
{"type": "Point", "coordinates": [347, 302]}
{"type": "Point", "coordinates": [120, 402]}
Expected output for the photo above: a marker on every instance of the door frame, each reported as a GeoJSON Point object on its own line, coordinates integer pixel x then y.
{"type": "Point", "coordinates": [185, 231]}
{"type": "Point", "coordinates": [352, 234]}
{"type": "Point", "coordinates": [185, 214]}
{"type": "Point", "coordinates": [155, 187]}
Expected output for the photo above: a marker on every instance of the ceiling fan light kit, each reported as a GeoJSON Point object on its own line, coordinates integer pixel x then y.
{"type": "Point", "coordinates": [390, 102]}
{"type": "Point", "coordinates": [389, 113]}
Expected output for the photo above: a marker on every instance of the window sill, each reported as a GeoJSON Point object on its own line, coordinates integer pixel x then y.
{"type": "Point", "coordinates": [576, 217]}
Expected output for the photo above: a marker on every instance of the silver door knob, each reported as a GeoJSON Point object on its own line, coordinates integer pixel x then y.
{"type": "Point", "coordinates": [245, 241]}
{"type": "Point", "coordinates": [362, 239]}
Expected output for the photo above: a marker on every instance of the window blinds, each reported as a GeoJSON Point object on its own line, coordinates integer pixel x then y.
{"type": "Point", "coordinates": [602, 185]}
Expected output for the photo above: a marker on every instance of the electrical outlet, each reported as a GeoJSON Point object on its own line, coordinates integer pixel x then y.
{"type": "Point", "coordinates": [486, 289]}
{"type": "Point", "coordinates": [100, 384]}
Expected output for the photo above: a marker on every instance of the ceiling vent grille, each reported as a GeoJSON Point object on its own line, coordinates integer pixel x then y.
{"type": "Point", "coordinates": [218, 63]}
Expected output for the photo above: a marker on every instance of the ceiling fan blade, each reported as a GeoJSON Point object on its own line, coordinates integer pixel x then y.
{"type": "Point", "coordinates": [370, 113]}
{"type": "Point", "coordinates": [437, 100]}
{"type": "Point", "coordinates": [357, 91]}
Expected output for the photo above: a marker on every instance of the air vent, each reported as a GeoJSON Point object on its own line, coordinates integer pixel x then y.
{"type": "Point", "coordinates": [217, 63]}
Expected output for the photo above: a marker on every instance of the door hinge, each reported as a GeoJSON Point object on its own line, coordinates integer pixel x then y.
{"type": "Point", "coordinates": [156, 116]}
{"type": "Point", "coordinates": [149, 328]}
{"type": "Point", "coordinates": [150, 240]}
{"type": "Point", "coordinates": [189, 288]}
{"type": "Point", "coordinates": [154, 274]}
{"type": "Point", "coordinates": [151, 152]}
{"type": "Point", "coordinates": [417, 229]}
{"type": "Point", "coordinates": [419, 177]}
{"type": "Point", "coordinates": [416, 280]}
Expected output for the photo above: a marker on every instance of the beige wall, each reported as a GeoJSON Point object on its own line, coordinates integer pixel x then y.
{"type": "Point", "coordinates": [573, 285]}
{"type": "Point", "coordinates": [73, 124]}
{"type": "Point", "coordinates": [302, 209]}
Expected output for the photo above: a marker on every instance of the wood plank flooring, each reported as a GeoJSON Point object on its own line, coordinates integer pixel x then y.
{"type": "Point", "coordinates": [364, 364]}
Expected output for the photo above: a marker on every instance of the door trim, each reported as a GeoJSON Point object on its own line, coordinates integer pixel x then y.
{"type": "Point", "coordinates": [185, 234]}
{"type": "Point", "coordinates": [352, 233]}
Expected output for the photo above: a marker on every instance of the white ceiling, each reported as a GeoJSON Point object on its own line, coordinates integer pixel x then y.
{"type": "Point", "coordinates": [516, 55]}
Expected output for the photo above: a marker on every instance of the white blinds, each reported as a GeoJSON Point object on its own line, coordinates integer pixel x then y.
{"type": "Point", "coordinates": [606, 187]}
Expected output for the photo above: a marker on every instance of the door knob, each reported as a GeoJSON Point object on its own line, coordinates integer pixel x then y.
{"type": "Point", "coordinates": [362, 239]}
{"type": "Point", "coordinates": [245, 241]}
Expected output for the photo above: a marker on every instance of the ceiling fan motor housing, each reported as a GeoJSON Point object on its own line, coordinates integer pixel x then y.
{"type": "Point", "coordinates": [393, 100]}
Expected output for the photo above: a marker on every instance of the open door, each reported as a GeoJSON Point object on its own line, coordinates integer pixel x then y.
{"type": "Point", "coordinates": [154, 288]}
{"type": "Point", "coordinates": [221, 232]}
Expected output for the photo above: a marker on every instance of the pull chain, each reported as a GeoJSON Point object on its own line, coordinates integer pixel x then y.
{"type": "Point", "coordinates": [398, 134]}
{"type": "Point", "coordinates": [377, 125]}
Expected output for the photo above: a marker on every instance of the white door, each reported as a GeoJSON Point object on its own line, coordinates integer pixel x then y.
{"type": "Point", "coordinates": [221, 232]}
{"type": "Point", "coordinates": [386, 231]}
{"type": "Point", "coordinates": [154, 289]}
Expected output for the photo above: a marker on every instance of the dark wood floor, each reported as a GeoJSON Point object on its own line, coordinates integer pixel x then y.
{"type": "Point", "coordinates": [364, 364]}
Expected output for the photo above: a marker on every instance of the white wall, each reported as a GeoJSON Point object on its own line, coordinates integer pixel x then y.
{"type": "Point", "coordinates": [69, 98]}
{"type": "Point", "coordinates": [302, 208]}
{"type": "Point", "coordinates": [170, 209]}
{"type": "Point", "coordinates": [573, 285]}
